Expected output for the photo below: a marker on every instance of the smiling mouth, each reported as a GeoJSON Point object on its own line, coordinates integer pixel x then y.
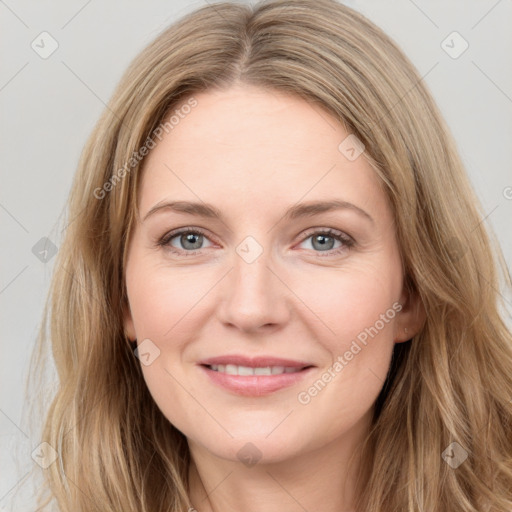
{"type": "Point", "coordinates": [243, 371]}
{"type": "Point", "coordinates": [256, 381]}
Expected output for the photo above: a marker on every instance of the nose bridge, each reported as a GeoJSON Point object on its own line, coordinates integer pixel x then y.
{"type": "Point", "coordinates": [253, 296]}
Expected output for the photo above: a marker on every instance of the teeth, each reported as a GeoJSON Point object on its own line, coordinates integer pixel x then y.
{"type": "Point", "coordinates": [233, 369]}
{"type": "Point", "coordinates": [244, 370]}
{"type": "Point", "coordinates": [263, 371]}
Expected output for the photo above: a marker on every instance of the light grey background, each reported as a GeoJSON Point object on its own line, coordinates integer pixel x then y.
{"type": "Point", "coordinates": [49, 106]}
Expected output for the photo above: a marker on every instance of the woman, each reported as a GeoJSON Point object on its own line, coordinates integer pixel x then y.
{"type": "Point", "coordinates": [331, 339]}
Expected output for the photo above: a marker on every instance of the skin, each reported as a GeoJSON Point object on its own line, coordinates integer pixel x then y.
{"type": "Point", "coordinates": [252, 154]}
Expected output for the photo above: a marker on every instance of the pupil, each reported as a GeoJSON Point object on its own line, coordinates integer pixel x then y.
{"type": "Point", "coordinates": [322, 240]}
{"type": "Point", "coordinates": [189, 238]}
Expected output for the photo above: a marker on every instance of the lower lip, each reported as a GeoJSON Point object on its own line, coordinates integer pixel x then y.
{"type": "Point", "coordinates": [255, 385]}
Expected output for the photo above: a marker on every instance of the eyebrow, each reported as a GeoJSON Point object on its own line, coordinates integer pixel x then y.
{"type": "Point", "coordinates": [307, 209]}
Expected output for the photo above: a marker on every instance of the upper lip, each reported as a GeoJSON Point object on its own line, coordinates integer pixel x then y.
{"type": "Point", "coordinates": [254, 362]}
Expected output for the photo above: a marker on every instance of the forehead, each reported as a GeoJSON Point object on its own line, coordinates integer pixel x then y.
{"type": "Point", "coordinates": [248, 147]}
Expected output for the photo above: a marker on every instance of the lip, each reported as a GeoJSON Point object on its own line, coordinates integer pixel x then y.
{"type": "Point", "coordinates": [255, 385]}
{"type": "Point", "coordinates": [254, 362]}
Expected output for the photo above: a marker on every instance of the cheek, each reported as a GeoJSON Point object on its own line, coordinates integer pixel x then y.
{"type": "Point", "coordinates": [350, 303]}
{"type": "Point", "coordinates": [355, 312]}
{"type": "Point", "coordinates": [162, 300]}
{"type": "Point", "coordinates": [162, 305]}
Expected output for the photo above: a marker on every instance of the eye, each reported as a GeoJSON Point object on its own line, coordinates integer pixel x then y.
{"type": "Point", "coordinates": [323, 241]}
{"type": "Point", "coordinates": [185, 241]}
{"type": "Point", "coordinates": [189, 241]}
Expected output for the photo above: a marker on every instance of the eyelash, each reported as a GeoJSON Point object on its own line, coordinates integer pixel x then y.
{"type": "Point", "coordinates": [346, 240]}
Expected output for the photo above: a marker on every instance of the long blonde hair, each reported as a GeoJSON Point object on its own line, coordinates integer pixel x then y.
{"type": "Point", "coordinates": [451, 384]}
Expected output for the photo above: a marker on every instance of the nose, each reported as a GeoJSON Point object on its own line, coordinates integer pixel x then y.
{"type": "Point", "coordinates": [254, 297]}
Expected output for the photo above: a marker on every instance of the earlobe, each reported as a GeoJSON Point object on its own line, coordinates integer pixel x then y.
{"type": "Point", "coordinates": [411, 318]}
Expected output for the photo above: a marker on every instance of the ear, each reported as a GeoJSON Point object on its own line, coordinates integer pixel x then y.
{"type": "Point", "coordinates": [129, 327]}
{"type": "Point", "coordinates": [411, 318]}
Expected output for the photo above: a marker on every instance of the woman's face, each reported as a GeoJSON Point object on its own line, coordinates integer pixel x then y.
{"type": "Point", "coordinates": [256, 261]}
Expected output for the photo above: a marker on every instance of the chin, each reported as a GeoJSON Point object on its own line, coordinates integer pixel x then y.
{"type": "Point", "coordinates": [255, 447]}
